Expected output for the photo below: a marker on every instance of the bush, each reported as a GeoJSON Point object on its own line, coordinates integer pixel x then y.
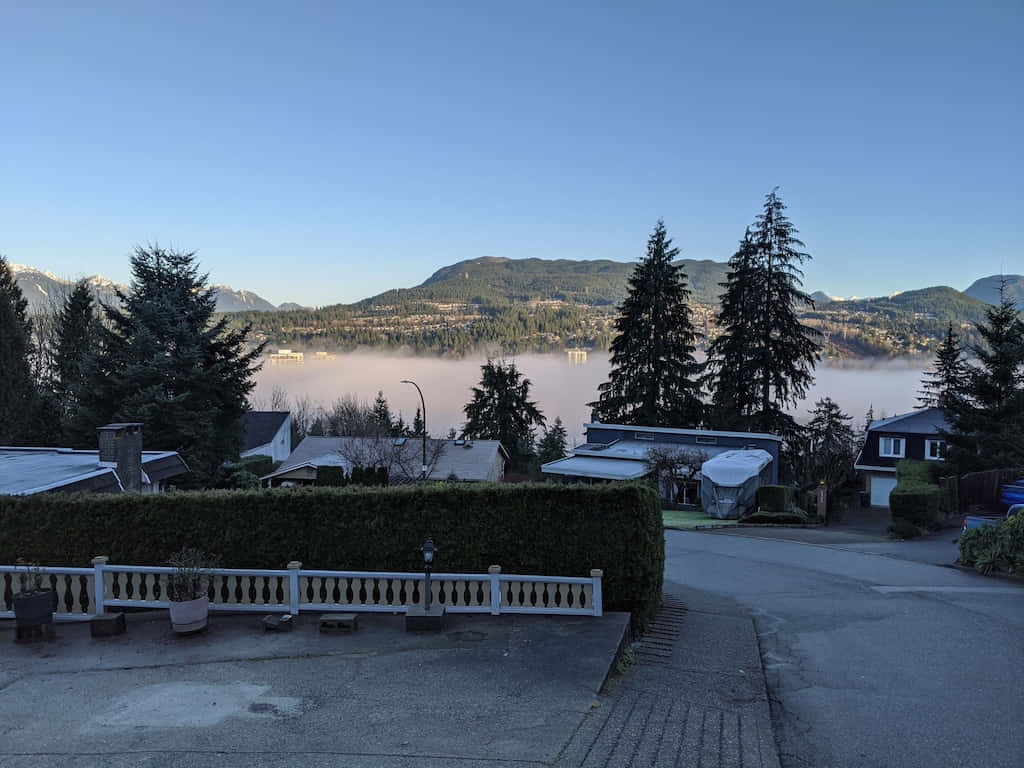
{"type": "Point", "coordinates": [998, 547]}
{"type": "Point", "coordinates": [915, 499]}
{"type": "Point", "coordinates": [794, 516]}
{"type": "Point", "coordinates": [529, 528]}
{"type": "Point", "coordinates": [902, 529]}
{"type": "Point", "coordinates": [775, 498]}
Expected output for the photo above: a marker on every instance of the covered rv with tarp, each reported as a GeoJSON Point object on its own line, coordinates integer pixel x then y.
{"type": "Point", "coordinates": [729, 482]}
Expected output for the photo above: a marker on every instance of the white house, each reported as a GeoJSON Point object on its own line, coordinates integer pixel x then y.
{"type": "Point", "coordinates": [267, 433]}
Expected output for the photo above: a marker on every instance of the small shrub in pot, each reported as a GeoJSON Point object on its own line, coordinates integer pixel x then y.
{"type": "Point", "coordinates": [188, 588]}
{"type": "Point", "coordinates": [33, 602]}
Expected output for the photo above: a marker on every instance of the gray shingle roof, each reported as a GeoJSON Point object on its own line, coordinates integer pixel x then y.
{"type": "Point", "coordinates": [927, 421]}
{"type": "Point", "coordinates": [33, 470]}
{"type": "Point", "coordinates": [471, 461]}
{"type": "Point", "coordinates": [259, 427]}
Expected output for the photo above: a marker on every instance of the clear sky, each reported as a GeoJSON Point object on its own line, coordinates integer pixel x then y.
{"type": "Point", "coordinates": [322, 152]}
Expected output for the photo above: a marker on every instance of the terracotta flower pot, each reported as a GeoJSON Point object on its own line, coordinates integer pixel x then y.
{"type": "Point", "coordinates": [189, 615]}
{"type": "Point", "coordinates": [32, 609]}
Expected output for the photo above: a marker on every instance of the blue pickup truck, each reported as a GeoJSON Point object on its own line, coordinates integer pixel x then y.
{"type": "Point", "coordinates": [1013, 497]}
{"type": "Point", "coordinates": [976, 521]}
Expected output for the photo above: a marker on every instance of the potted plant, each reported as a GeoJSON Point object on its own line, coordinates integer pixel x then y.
{"type": "Point", "coordinates": [33, 603]}
{"type": "Point", "coordinates": [188, 589]}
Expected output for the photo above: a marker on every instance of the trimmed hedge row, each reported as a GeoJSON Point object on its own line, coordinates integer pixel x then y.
{"type": "Point", "coordinates": [915, 499]}
{"type": "Point", "coordinates": [531, 528]}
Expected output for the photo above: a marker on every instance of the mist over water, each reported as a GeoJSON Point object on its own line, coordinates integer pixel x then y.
{"type": "Point", "coordinates": [560, 388]}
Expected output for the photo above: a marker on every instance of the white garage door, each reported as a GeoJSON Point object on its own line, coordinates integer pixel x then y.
{"type": "Point", "coordinates": [881, 485]}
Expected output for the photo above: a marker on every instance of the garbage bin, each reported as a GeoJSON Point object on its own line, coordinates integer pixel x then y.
{"type": "Point", "coordinates": [865, 498]}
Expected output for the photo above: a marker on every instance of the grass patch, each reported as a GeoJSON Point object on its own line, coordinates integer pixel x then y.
{"type": "Point", "coordinates": [690, 518]}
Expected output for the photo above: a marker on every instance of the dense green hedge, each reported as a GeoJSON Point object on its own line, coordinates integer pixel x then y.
{"type": "Point", "coordinates": [532, 528]}
{"type": "Point", "coordinates": [915, 499]}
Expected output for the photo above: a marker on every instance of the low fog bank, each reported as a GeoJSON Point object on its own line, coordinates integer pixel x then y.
{"type": "Point", "coordinates": [560, 389]}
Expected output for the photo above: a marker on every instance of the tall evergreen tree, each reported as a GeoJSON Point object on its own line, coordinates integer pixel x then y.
{"type": "Point", "coordinates": [947, 379]}
{"type": "Point", "coordinates": [75, 340]}
{"type": "Point", "coordinates": [501, 409]}
{"type": "Point", "coordinates": [382, 414]}
{"type": "Point", "coordinates": [987, 426]}
{"type": "Point", "coordinates": [553, 445]}
{"type": "Point", "coordinates": [733, 396]}
{"type": "Point", "coordinates": [417, 423]}
{"type": "Point", "coordinates": [762, 338]}
{"type": "Point", "coordinates": [18, 393]}
{"type": "Point", "coordinates": [164, 361]}
{"type": "Point", "coordinates": [654, 378]}
{"type": "Point", "coordinates": [831, 443]}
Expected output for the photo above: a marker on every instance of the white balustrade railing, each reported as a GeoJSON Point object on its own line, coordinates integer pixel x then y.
{"type": "Point", "coordinates": [82, 593]}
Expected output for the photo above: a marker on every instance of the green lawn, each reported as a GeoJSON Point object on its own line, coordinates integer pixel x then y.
{"type": "Point", "coordinates": [677, 518]}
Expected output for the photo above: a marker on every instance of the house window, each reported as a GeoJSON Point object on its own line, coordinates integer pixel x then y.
{"type": "Point", "coordinates": [935, 450]}
{"type": "Point", "coordinates": [701, 440]}
{"type": "Point", "coordinates": [891, 447]}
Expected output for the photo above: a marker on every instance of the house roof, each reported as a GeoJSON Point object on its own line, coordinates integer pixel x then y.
{"type": "Point", "coordinates": [467, 460]}
{"type": "Point", "coordinates": [927, 421]}
{"type": "Point", "coordinates": [678, 431]}
{"type": "Point", "coordinates": [25, 471]}
{"type": "Point", "coordinates": [259, 427]}
{"type": "Point", "coordinates": [599, 468]}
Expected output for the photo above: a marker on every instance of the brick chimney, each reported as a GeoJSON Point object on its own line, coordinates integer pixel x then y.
{"type": "Point", "coordinates": [121, 447]}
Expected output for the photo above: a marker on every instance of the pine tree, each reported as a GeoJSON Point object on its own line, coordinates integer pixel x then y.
{"type": "Point", "coordinates": [947, 380]}
{"type": "Point", "coordinates": [501, 409]}
{"type": "Point", "coordinates": [382, 413]}
{"type": "Point", "coordinates": [733, 396]}
{"type": "Point", "coordinates": [869, 418]}
{"type": "Point", "coordinates": [417, 423]}
{"type": "Point", "coordinates": [987, 425]}
{"type": "Point", "coordinates": [831, 443]}
{"type": "Point", "coordinates": [18, 394]}
{"type": "Point", "coordinates": [75, 340]}
{"type": "Point", "coordinates": [654, 379]}
{"type": "Point", "coordinates": [164, 361]}
{"type": "Point", "coordinates": [553, 445]}
{"type": "Point", "coordinates": [762, 339]}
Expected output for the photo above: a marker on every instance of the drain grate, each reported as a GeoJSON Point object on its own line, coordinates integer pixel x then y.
{"type": "Point", "coordinates": [657, 644]}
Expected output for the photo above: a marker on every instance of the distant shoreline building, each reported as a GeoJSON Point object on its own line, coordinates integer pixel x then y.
{"type": "Point", "coordinates": [577, 356]}
{"type": "Point", "coordinates": [286, 356]}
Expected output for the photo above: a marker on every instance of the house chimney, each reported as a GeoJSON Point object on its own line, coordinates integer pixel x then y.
{"type": "Point", "coordinates": [121, 447]}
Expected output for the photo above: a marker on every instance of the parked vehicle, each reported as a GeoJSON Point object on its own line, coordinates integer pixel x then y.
{"type": "Point", "coordinates": [976, 521]}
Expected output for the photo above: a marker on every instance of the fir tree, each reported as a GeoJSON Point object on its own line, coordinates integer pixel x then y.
{"type": "Point", "coordinates": [75, 340]}
{"type": "Point", "coordinates": [164, 361]}
{"type": "Point", "coordinates": [987, 425]}
{"type": "Point", "coordinates": [553, 445]}
{"type": "Point", "coordinates": [417, 423]}
{"type": "Point", "coordinates": [654, 377]}
{"type": "Point", "coordinates": [501, 409]}
{"type": "Point", "coordinates": [382, 413]}
{"type": "Point", "coordinates": [947, 380]}
{"type": "Point", "coordinates": [762, 339]}
{"type": "Point", "coordinates": [733, 397]}
{"type": "Point", "coordinates": [831, 443]}
{"type": "Point", "coordinates": [18, 394]}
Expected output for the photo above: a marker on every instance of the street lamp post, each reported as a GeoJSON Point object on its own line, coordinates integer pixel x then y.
{"type": "Point", "coordinates": [428, 550]}
{"type": "Point", "coordinates": [423, 411]}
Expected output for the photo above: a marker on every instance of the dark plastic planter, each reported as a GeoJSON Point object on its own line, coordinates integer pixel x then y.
{"type": "Point", "coordinates": [33, 609]}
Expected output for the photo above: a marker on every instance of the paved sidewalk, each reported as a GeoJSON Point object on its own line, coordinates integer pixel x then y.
{"type": "Point", "coordinates": [696, 697]}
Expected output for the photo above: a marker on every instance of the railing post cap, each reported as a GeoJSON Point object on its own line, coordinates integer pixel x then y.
{"type": "Point", "coordinates": [596, 573]}
{"type": "Point", "coordinates": [100, 560]}
{"type": "Point", "coordinates": [494, 569]}
{"type": "Point", "coordinates": [294, 565]}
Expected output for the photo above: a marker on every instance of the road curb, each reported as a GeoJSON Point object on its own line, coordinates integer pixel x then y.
{"type": "Point", "coordinates": [1015, 578]}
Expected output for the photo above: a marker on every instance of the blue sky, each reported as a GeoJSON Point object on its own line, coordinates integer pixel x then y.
{"type": "Point", "coordinates": [322, 152]}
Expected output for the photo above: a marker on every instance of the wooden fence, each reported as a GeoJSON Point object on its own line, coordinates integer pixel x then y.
{"type": "Point", "coordinates": [978, 491]}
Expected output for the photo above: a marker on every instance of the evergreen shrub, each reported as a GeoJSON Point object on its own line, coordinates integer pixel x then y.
{"type": "Point", "coordinates": [776, 498]}
{"type": "Point", "coordinates": [915, 499]}
{"type": "Point", "coordinates": [530, 528]}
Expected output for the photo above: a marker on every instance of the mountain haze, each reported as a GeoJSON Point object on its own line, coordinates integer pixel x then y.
{"type": "Point", "coordinates": [987, 289]}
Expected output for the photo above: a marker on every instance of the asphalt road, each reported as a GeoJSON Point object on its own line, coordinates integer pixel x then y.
{"type": "Point", "coordinates": [871, 659]}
